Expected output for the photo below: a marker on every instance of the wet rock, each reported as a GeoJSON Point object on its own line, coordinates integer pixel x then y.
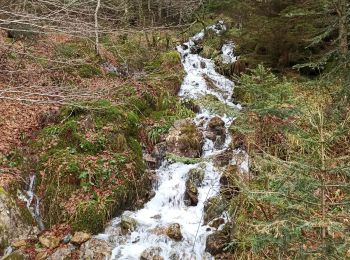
{"type": "Point", "coordinates": [80, 237]}
{"type": "Point", "coordinates": [191, 194]}
{"type": "Point", "coordinates": [196, 49]}
{"type": "Point", "coordinates": [128, 224]}
{"type": "Point", "coordinates": [203, 65]}
{"type": "Point", "coordinates": [213, 208]}
{"type": "Point", "coordinates": [196, 176]}
{"type": "Point", "coordinates": [96, 249]}
{"type": "Point", "coordinates": [174, 232]}
{"type": "Point", "coordinates": [62, 253]}
{"type": "Point", "coordinates": [216, 223]}
{"type": "Point", "coordinates": [228, 187]}
{"type": "Point", "coordinates": [216, 243]}
{"type": "Point", "coordinates": [217, 126]}
{"type": "Point", "coordinates": [185, 139]}
{"type": "Point", "coordinates": [190, 104]}
{"type": "Point", "coordinates": [152, 253]}
{"type": "Point", "coordinates": [16, 222]}
{"type": "Point", "coordinates": [159, 153]}
{"type": "Point", "coordinates": [50, 242]}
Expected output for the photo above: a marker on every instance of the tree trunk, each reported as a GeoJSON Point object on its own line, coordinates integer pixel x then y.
{"type": "Point", "coordinates": [343, 27]}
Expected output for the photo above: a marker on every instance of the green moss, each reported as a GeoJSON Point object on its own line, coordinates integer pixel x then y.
{"type": "Point", "coordinates": [14, 256]}
{"type": "Point", "coordinates": [70, 50]}
{"type": "Point", "coordinates": [88, 71]}
{"type": "Point", "coordinates": [216, 106]}
{"type": "Point", "coordinates": [170, 58]}
{"type": "Point", "coordinates": [185, 160]}
{"type": "Point", "coordinates": [91, 216]}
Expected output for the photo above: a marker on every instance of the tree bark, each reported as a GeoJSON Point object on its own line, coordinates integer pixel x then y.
{"type": "Point", "coordinates": [98, 5]}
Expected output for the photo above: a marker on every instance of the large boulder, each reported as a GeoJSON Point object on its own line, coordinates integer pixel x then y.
{"type": "Point", "coordinates": [185, 139]}
{"type": "Point", "coordinates": [216, 243]}
{"type": "Point", "coordinates": [216, 131]}
{"type": "Point", "coordinates": [96, 249]}
{"type": "Point", "coordinates": [174, 232]}
{"type": "Point", "coordinates": [16, 222]}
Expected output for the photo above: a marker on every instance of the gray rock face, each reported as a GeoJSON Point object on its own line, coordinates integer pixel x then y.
{"type": "Point", "coordinates": [185, 139]}
{"type": "Point", "coordinates": [16, 222]}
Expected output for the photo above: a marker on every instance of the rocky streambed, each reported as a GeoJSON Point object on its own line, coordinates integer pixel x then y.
{"type": "Point", "coordinates": [186, 217]}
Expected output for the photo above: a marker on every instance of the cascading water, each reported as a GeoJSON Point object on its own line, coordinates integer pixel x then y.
{"type": "Point", "coordinates": [33, 202]}
{"type": "Point", "coordinates": [167, 206]}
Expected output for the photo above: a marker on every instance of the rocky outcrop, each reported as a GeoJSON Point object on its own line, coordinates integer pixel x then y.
{"type": "Point", "coordinates": [185, 139]}
{"type": "Point", "coordinates": [196, 176]}
{"type": "Point", "coordinates": [16, 222]}
{"type": "Point", "coordinates": [174, 232]}
{"type": "Point", "coordinates": [216, 131]}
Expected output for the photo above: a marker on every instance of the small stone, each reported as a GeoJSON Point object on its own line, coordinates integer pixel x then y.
{"type": "Point", "coordinates": [50, 242]}
{"type": "Point", "coordinates": [80, 237]}
{"type": "Point", "coordinates": [96, 249]}
{"type": "Point", "coordinates": [174, 232]}
{"type": "Point", "coordinates": [41, 255]}
{"type": "Point", "coordinates": [152, 253]}
{"type": "Point", "coordinates": [19, 243]}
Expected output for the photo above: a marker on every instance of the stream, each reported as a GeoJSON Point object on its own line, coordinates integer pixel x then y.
{"type": "Point", "coordinates": [167, 206]}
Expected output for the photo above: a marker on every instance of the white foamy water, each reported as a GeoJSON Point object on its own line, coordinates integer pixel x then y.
{"type": "Point", "coordinates": [167, 206]}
